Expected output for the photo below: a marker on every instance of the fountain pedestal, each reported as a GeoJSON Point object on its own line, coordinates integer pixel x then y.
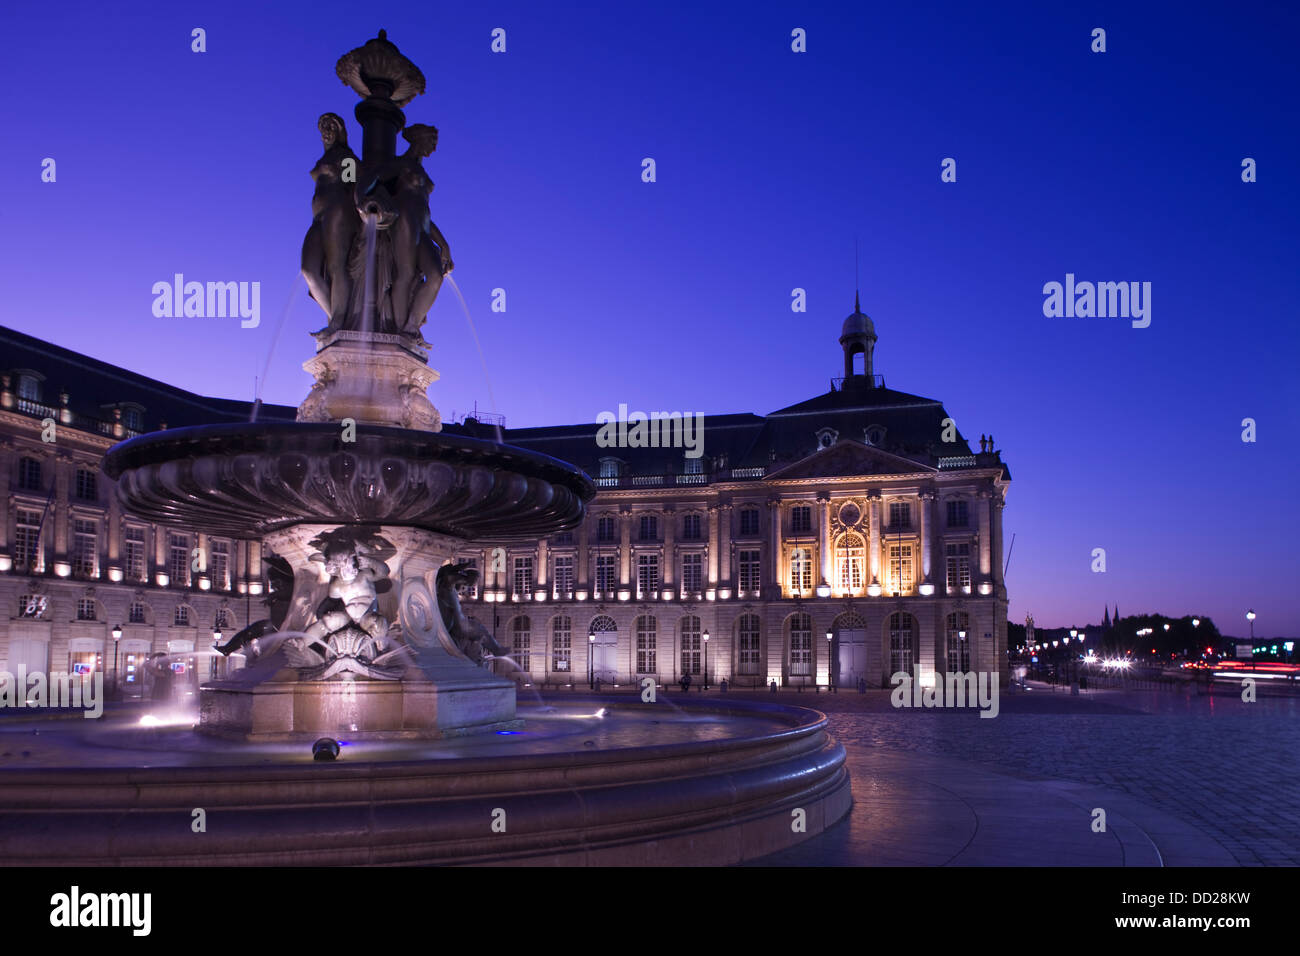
{"type": "Point", "coordinates": [374, 378]}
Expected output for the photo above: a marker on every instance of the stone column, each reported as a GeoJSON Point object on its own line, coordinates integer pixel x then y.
{"type": "Point", "coordinates": [998, 503]}
{"type": "Point", "coordinates": [776, 575]}
{"type": "Point", "coordinates": [825, 558]}
{"type": "Point", "coordinates": [668, 563]}
{"type": "Point", "coordinates": [113, 532]}
{"type": "Point", "coordinates": [159, 535]}
{"type": "Point", "coordinates": [724, 548]}
{"type": "Point", "coordinates": [873, 546]}
{"type": "Point", "coordinates": [62, 523]}
{"type": "Point", "coordinates": [986, 536]}
{"type": "Point", "coordinates": [542, 553]}
{"type": "Point", "coordinates": [927, 526]}
{"type": "Point", "coordinates": [583, 572]}
{"type": "Point", "coordinates": [625, 546]}
{"type": "Point", "coordinates": [714, 520]}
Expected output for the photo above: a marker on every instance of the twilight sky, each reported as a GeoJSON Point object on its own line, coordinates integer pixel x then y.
{"type": "Point", "coordinates": [675, 295]}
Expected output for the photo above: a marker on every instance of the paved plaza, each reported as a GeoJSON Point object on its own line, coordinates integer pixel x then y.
{"type": "Point", "coordinates": [1185, 779]}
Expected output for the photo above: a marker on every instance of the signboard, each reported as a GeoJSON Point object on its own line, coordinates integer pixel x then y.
{"type": "Point", "coordinates": [1244, 652]}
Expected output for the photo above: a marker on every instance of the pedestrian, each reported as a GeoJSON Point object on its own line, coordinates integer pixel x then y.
{"type": "Point", "coordinates": [686, 683]}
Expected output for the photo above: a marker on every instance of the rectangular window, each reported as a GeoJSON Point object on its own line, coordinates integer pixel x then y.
{"type": "Point", "coordinates": [521, 641]}
{"type": "Point", "coordinates": [562, 645]}
{"type": "Point", "coordinates": [220, 566]}
{"type": "Point", "coordinates": [801, 646]}
{"type": "Point", "coordinates": [27, 554]}
{"type": "Point", "coordinates": [646, 645]}
{"type": "Point", "coordinates": [691, 528]}
{"type": "Point", "coordinates": [958, 559]}
{"type": "Point", "coordinates": [801, 569]}
{"type": "Point", "coordinates": [86, 485]}
{"type": "Point", "coordinates": [178, 560]}
{"type": "Point", "coordinates": [692, 573]}
{"type": "Point", "coordinates": [606, 572]}
{"type": "Point", "coordinates": [564, 538]}
{"type": "Point", "coordinates": [605, 529]}
{"type": "Point", "coordinates": [647, 574]}
{"type": "Point", "coordinates": [32, 605]}
{"type": "Point", "coordinates": [182, 616]}
{"type": "Point", "coordinates": [649, 528]}
{"type": "Point", "coordinates": [133, 553]}
{"type": "Point", "coordinates": [86, 609]}
{"type": "Point", "coordinates": [801, 519]}
{"type": "Point", "coordinates": [957, 514]}
{"type": "Point", "coordinates": [900, 569]}
{"type": "Point", "coordinates": [749, 647]}
{"type": "Point", "coordinates": [523, 577]}
{"type": "Point", "coordinates": [563, 575]}
{"type": "Point", "coordinates": [900, 515]}
{"type": "Point", "coordinates": [691, 645]}
{"type": "Point", "coordinates": [137, 614]}
{"type": "Point", "coordinates": [749, 570]}
{"type": "Point", "coordinates": [694, 466]}
{"type": "Point", "coordinates": [471, 592]}
{"type": "Point", "coordinates": [29, 474]}
{"type": "Point", "coordinates": [749, 521]}
{"type": "Point", "coordinates": [85, 541]}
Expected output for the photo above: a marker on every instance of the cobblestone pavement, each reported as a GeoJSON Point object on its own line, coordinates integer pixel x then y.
{"type": "Point", "coordinates": [1197, 775]}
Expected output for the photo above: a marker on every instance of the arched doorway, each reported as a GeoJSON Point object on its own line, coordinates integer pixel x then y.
{"type": "Point", "coordinates": [848, 649]}
{"type": "Point", "coordinates": [602, 638]}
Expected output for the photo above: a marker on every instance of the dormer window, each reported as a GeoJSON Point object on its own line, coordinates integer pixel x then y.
{"type": "Point", "coordinates": [609, 467]}
{"type": "Point", "coordinates": [29, 386]}
{"type": "Point", "coordinates": [827, 437]}
{"type": "Point", "coordinates": [875, 435]}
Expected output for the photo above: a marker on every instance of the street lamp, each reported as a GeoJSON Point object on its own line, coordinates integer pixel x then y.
{"type": "Point", "coordinates": [1196, 622]}
{"type": "Point", "coordinates": [1250, 616]}
{"type": "Point", "coordinates": [830, 662]}
{"type": "Point", "coordinates": [705, 635]}
{"type": "Point", "coordinates": [212, 663]}
{"type": "Point", "coordinates": [591, 660]}
{"type": "Point", "coordinates": [117, 684]}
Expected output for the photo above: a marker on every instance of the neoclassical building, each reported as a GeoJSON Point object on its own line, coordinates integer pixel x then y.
{"type": "Point", "coordinates": [844, 538]}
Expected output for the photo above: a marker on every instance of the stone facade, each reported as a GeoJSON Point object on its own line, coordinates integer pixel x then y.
{"type": "Point", "coordinates": [860, 514]}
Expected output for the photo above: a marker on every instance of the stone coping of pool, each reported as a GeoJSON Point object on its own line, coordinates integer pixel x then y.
{"type": "Point", "coordinates": [706, 802]}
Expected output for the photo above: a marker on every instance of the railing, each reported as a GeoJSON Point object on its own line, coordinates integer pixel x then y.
{"type": "Point", "coordinates": [837, 384]}
{"type": "Point", "coordinates": [64, 417]}
{"type": "Point", "coordinates": [960, 461]}
{"type": "Point", "coordinates": [655, 481]}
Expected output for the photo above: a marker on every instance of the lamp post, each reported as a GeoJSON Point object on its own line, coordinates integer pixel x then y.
{"type": "Point", "coordinates": [591, 661]}
{"type": "Point", "coordinates": [1250, 616]}
{"type": "Point", "coordinates": [830, 662]}
{"type": "Point", "coordinates": [212, 663]}
{"type": "Point", "coordinates": [705, 635]}
{"type": "Point", "coordinates": [117, 640]}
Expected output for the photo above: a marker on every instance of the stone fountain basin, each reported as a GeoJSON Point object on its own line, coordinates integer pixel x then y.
{"type": "Point", "coordinates": [647, 784]}
{"type": "Point", "coordinates": [257, 478]}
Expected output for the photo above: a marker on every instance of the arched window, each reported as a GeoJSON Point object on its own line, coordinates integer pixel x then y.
{"type": "Point", "coordinates": [602, 625]}
{"type": "Point", "coordinates": [749, 632]}
{"type": "Point", "coordinates": [958, 642]}
{"type": "Point", "coordinates": [562, 644]}
{"type": "Point", "coordinates": [690, 645]}
{"type": "Point", "coordinates": [901, 628]}
{"type": "Point", "coordinates": [646, 645]}
{"type": "Point", "coordinates": [521, 642]}
{"type": "Point", "coordinates": [800, 645]}
{"type": "Point", "coordinates": [850, 562]}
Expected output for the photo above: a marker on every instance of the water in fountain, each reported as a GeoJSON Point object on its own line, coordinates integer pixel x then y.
{"type": "Point", "coordinates": [275, 339]}
{"type": "Point", "coordinates": [474, 332]}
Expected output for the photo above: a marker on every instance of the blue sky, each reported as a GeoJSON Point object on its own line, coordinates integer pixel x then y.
{"type": "Point", "coordinates": [1120, 166]}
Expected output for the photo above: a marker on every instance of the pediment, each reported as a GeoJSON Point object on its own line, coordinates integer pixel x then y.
{"type": "Point", "coordinates": [848, 457]}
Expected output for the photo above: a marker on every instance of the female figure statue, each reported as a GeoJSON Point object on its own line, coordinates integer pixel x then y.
{"type": "Point", "coordinates": [329, 241]}
{"type": "Point", "coordinates": [418, 263]}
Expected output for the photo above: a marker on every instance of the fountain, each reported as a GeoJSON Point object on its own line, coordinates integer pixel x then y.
{"type": "Point", "coordinates": [364, 503]}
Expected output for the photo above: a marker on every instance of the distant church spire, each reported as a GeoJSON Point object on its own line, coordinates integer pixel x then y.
{"type": "Point", "coordinates": [1105, 621]}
